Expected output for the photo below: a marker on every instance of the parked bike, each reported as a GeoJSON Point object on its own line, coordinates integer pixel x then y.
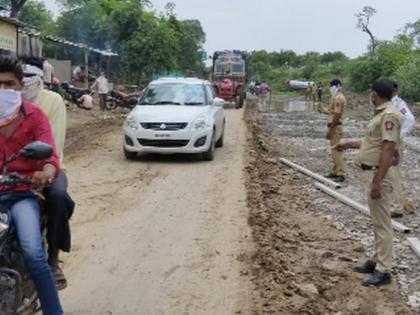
{"type": "Point", "coordinates": [17, 291]}
{"type": "Point", "coordinates": [120, 99]}
{"type": "Point", "coordinates": [73, 94]}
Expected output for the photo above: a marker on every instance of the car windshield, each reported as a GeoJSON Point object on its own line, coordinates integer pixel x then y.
{"type": "Point", "coordinates": [174, 94]}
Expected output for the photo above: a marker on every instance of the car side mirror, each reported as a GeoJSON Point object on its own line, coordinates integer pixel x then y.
{"type": "Point", "coordinates": [218, 102]}
{"type": "Point", "coordinates": [37, 151]}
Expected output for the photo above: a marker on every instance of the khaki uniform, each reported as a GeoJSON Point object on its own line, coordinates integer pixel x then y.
{"type": "Point", "coordinates": [385, 125]}
{"type": "Point", "coordinates": [397, 199]}
{"type": "Point", "coordinates": [338, 105]}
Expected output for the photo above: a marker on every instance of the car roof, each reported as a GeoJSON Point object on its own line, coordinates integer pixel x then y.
{"type": "Point", "coordinates": [180, 80]}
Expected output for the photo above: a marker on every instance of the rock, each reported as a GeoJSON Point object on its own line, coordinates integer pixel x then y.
{"type": "Point", "coordinates": [330, 266]}
{"type": "Point", "coordinates": [308, 290]}
{"type": "Point", "coordinates": [359, 249]}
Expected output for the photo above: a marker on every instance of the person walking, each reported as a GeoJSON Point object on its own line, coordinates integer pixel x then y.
{"type": "Point", "coordinates": [101, 83]}
{"type": "Point", "coordinates": [320, 91]}
{"type": "Point", "coordinates": [407, 125]}
{"type": "Point", "coordinates": [376, 155]}
{"type": "Point", "coordinates": [335, 112]}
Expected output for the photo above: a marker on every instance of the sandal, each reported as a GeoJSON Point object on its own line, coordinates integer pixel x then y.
{"type": "Point", "coordinates": [60, 279]}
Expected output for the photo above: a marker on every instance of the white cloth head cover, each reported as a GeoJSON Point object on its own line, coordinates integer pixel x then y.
{"type": "Point", "coordinates": [334, 89]}
{"type": "Point", "coordinates": [34, 84]}
{"type": "Point", "coordinates": [10, 102]}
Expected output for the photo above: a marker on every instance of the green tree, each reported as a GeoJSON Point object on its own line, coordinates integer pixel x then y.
{"type": "Point", "coordinates": [363, 23]}
{"type": "Point", "coordinates": [14, 6]}
{"type": "Point", "coordinates": [36, 14]}
{"type": "Point", "coordinates": [408, 77]}
{"type": "Point", "coordinates": [150, 49]}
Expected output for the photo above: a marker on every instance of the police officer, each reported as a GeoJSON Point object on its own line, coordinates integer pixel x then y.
{"type": "Point", "coordinates": [335, 113]}
{"type": "Point", "coordinates": [376, 155]}
{"type": "Point", "coordinates": [407, 125]}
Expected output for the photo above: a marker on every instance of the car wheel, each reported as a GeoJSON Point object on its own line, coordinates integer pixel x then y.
{"type": "Point", "coordinates": [209, 154]}
{"type": "Point", "coordinates": [129, 155]}
{"type": "Point", "coordinates": [221, 140]}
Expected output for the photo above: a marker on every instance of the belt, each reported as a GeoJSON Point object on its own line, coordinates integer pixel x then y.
{"type": "Point", "coordinates": [337, 124]}
{"type": "Point", "coordinates": [369, 167]}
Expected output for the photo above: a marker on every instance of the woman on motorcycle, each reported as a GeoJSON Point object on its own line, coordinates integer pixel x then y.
{"type": "Point", "coordinates": [22, 123]}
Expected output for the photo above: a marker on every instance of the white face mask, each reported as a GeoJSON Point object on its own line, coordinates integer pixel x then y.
{"type": "Point", "coordinates": [334, 90]}
{"type": "Point", "coordinates": [32, 87]}
{"type": "Point", "coordinates": [10, 102]}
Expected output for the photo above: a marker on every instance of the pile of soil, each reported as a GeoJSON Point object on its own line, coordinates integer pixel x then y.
{"type": "Point", "coordinates": [302, 263]}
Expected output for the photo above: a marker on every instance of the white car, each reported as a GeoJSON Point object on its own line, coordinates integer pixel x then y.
{"type": "Point", "coordinates": [175, 115]}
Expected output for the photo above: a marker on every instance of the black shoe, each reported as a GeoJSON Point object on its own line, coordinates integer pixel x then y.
{"type": "Point", "coordinates": [330, 175]}
{"type": "Point", "coordinates": [396, 215]}
{"type": "Point", "coordinates": [339, 179]}
{"type": "Point", "coordinates": [367, 267]}
{"type": "Point", "coordinates": [377, 278]}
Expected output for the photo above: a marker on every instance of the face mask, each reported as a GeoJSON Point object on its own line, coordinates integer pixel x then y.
{"type": "Point", "coordinates": [10, 101]}
{"type": "Point", "coordinates": [334, 90]}
{"type": "Point", "coordinates": [32, 87]}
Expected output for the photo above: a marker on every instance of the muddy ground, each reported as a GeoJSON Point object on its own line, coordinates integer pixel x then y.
{"type": "Point", "coordinates": [240, 235]}
{"type": "Point", "coordinates": [307, 241]}
{"type": "Point", "coordinates": [158, 235]}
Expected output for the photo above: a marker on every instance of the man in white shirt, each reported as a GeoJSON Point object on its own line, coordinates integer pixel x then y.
{"type": "Point", "coordinates": [408, 123]}
{"type": "Point", "coordinates": [101, 84]}
{"type": "Point", "coordinates": [48, 73]}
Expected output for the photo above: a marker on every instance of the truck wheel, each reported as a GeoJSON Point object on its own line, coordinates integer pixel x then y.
{"type": "Point", "coordinates": [237, 102]}
{"type": "Point", "coordinates": [241, 99]}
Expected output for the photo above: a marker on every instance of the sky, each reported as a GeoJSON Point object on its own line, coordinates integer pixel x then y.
{"type": "Point", "coordinates": [299, 25]}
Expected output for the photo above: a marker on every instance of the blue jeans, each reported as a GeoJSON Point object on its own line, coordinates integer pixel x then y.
{"type": "Point", "coordinates": [24, 209]}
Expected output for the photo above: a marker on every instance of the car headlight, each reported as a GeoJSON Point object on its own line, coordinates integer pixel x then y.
{"type": "Point", "coordinates": [200, 123]}
{"type": "Point", "coordinates": [131, 123]}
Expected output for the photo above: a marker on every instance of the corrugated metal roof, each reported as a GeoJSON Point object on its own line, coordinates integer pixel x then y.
{"type": "Point", "coordinates": [25, 28]}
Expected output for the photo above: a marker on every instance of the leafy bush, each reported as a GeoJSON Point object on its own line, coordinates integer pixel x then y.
{"type": "Point", "coordinates": [408, 78]}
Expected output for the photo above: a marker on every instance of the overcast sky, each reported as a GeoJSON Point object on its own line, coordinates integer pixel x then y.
{"type": "Point", "coordinates": [299, 25]}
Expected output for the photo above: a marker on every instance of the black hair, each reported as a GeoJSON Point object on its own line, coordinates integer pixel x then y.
{"type": "Point", "coordinates": [33, 61]}
{"type": "Point", "coordinates": [335, 82]}
{"type": "Point", "coordinates": [9, 63]}
{"type": "Point", "coordinates": [384, 88]}
{"type": "Point", "coordinates": [395, 85]}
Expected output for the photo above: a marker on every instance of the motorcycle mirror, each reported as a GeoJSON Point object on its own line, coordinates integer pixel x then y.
{"type": "Point", "coordinates": [37, 150]}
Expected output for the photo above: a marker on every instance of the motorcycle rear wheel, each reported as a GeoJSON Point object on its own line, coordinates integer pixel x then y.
{"type": "Point", "coordinates": [111, 104]}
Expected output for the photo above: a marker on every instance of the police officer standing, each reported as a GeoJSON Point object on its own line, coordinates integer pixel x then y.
{"type": "Point", "coordinates": [376, 155]}
{"type": "Point", "coordinates": [407, 125]}
{"type": "Point", "coordinates": [335, 113]}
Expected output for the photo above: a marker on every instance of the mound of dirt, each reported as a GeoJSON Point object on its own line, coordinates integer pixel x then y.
{"type": "Point", "coordinates": [302, 264]}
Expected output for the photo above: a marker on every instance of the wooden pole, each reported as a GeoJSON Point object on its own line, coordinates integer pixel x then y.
{"type": "Point", "coordinates": [87, 67]}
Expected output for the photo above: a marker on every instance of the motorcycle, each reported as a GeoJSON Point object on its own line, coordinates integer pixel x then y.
{"type": "Point", "coordinates": [17, 291]}
{"type": "Point", "coordinates": [119, 99]}
{"type": "Point", "coordinates": [73, 94]}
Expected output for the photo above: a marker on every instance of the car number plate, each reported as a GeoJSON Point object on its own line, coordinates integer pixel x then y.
{"type": "Point", "coordinates": [162, 135]}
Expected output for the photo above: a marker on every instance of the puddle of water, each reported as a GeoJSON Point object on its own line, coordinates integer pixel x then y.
{"type": "Point", "coordinates": [294, 106]}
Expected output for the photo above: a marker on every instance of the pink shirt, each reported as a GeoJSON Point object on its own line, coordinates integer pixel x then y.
{"type": "Point", "coordinates": [32, 126]}
{"type": "Point", "coordinates": [87, 101]}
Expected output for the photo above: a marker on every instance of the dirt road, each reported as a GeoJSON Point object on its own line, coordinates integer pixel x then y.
{"type": "Point", "coordinates": [159, 235]}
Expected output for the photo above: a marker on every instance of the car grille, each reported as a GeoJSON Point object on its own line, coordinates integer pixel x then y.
{"type": "Point", "coordinates": [164, 126]}
{"type": "Point", "coordinates": [163, 143]}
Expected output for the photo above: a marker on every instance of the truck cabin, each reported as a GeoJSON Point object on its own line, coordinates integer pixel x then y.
{"type": "Point", "coordinates": [234, 67]}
